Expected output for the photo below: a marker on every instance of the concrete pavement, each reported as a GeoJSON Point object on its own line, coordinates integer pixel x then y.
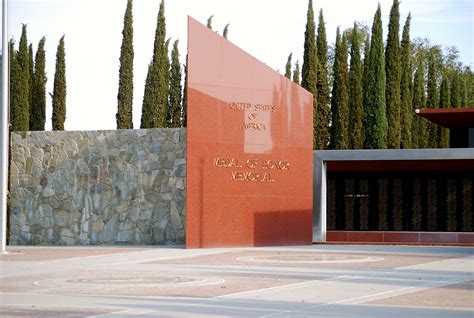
{"type": "Point", "coordinates": [309, 281]}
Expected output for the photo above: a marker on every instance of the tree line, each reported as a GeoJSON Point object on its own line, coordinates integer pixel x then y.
{"type": "Point", "coordinates": [370, 101]}
{"type": "Point", "coordinates": [164, 99]}
{"type": "Point", "coordinates": [365, 91]}
{"type": "Point", "coordinates": [28, 85]}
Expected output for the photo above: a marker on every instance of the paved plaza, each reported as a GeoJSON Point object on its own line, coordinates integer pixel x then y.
{"type": "Point", "coordinates": [310, 281]}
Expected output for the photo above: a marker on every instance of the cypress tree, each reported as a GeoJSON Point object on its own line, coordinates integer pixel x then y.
{"type": "Point", "coordinates": [175, 87]}
{"type": "Point", "coordinates": [392, 67]}
{"type": "Point", "coordinates": [464, 92]}
{"type": "Point", "coordinates": [155, 98]}
{"type": "Point", "coordinates": [309, 76]}
{"type": "Point", "coordinates": [125, 91]}
{"type": "Point", "coordinates": [288, 67]}
{"type": "Point", "coordinates": [322, 84]}
{"type": "Point", "coordinates": [296, 73]}
{"type": "Point", "coordinates": [456, 91]}
{"type": "Point", "coordinates": [18, 113]}
{"type": "Point", "coordinates": [419, 136]}
{"type": "Point", "coordinates": [340, 98]}
{"type": "Point", "coordinates": [59, 90]}
{"type": "Point", "coordinates": [209, 22]}
{"type": "Point", "coordinates": [356, 112]}
{"type": "Point", "coordinates": [344, 94]}
{"type": "Point", "coordinates": [335, 92]}
{"type": "Point", "coordinates": [375, 119]}
{"type": "Point", "coordinates": [365, 82]}
{"type": "Point", "coordinates": [38, 107]}
{"type": "Point", "coordinates": [406, 87]}
{"type": "Point", "coordinates": [444, 102]}
{"type": "Point", "coordinates": [30, 83]}
{"type": "Point", "coordinates": [23, 86]}
{"type": "Point", "coordinates": [365, 79]}
{"type": "Point", "coordinates": [226, 31]}
{"type": "Point", "coordinates": [432, 101]}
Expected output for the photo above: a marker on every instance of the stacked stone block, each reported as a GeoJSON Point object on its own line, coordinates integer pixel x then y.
{"type": "Point", "coordinates": [98, 187]}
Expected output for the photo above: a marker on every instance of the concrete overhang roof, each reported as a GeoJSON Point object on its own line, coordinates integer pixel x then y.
{"type": "Point", "coordinates": [449, 117]}
{"type": "Point", "coordinates": [453, 159]}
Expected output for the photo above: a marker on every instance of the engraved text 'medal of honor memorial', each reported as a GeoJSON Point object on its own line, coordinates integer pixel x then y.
{"type": "Point", "coordinates": [250, 169]}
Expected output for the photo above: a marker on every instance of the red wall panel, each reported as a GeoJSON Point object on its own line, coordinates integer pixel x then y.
{"type": "Point", "coordinates": [249, 149]}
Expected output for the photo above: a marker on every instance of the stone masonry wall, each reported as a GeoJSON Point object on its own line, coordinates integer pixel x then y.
{"type": "Point", "coordinates": [98, 187]}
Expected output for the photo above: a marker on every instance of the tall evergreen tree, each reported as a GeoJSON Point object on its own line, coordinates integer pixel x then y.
{"type": "Point", "coordinates": [296, 73]}
{"type": "Point", "coordinates": [420, 133]}
{"type": "Point", "coordinates": [23, 60]}
{"type": "Point", "coordinates": [444, 102]}
{"type": "Point", "coordinates": [463, 92]}
{"type": "Point", "coordinates": [356, 111]}
{"type": "Point", "coordinates": [365, 78]}
{"type": "Point", "coordinates": [288, 67]}
{"type": "Point", "coordinates": [335, 91]}
{"type": "Point", "coordinates": [59, 90]}
{"type": "Point", "coordinates": [125, 91]}
{"type": "Point", "coordinates": [226, 31]}
{"type": "Point", "coordinates": [155, 98]}
{"type": "Point", "coordinates": [375, 119]}
{"type": "Point", "coordinates": [209, 22]}
{"type": "Point", "coordinates": [167, 82]}
{"type": "Point", "coordinates": [393, 71]}
{"type": "Point", "coordinates": [309, 75]}
{"type": "Point", "coordinates": [38, 107]}
{"type": "Point", "coordinates": [456, 91]}
{"type": "Point", "coordinates": [432, 100]}
{"type": "Point", "coordinates": [175, 87]}
{"type": "Point", "coordinates": [18, 113]}
{"type": "Point", "coordinates": [406, 87]}
{"type": "Point", "coordinates": [340, 97]}
{"type": "Point", "coordinates": [322, 86]}
{"type": "Point", "coordinates": [30, 84]}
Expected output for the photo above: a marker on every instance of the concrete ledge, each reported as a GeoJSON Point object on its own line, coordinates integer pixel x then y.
{"type": "Point", "coordinates": [402, 237]}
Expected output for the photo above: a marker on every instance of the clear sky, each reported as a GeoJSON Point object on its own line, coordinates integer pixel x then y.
{"type": "Point", "coordinates": [267, 29]}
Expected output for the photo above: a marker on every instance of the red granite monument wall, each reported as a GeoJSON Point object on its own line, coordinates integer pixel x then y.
{"type": "Point", "coordinates": [249, 149]}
